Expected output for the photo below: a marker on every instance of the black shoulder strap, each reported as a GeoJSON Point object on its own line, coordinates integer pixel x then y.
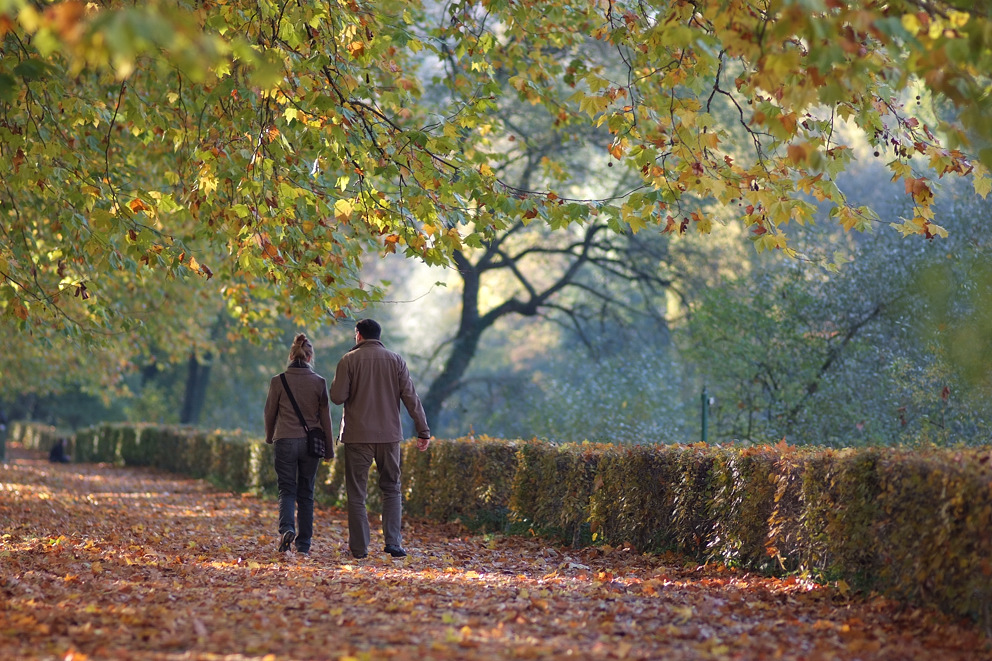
{"type": "Point", "coordinates": [296, 407]}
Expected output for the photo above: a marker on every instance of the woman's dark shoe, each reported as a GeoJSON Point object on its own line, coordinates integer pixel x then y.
{"type": "Point", "coordinates": [287, 539]}
{"type": "Point", "coordinates": [395, 551]}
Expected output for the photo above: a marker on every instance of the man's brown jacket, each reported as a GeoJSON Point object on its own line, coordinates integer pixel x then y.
{"type": "Point", "coordinates": [371, 382]}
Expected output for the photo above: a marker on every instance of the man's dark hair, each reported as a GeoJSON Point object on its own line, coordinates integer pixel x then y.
{"type": "Point", "coordinates": [369, 329]}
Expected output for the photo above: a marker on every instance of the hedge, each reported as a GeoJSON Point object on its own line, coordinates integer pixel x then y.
{"type": "Point", "coordinates": [912, 524]}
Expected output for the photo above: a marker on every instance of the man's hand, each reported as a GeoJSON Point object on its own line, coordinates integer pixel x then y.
{"type": "Point", "coordinates": [422, 443]}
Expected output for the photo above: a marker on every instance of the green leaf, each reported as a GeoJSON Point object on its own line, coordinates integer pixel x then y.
{"type": "Point", "coordinates": [31, 69]}
{"type": "Point", "coordinates": [8, 88]}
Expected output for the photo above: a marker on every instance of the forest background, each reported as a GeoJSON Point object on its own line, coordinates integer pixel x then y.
{"type": "Point", "coordinates": [682, 314]}
{"type": "Point", "coordinates": [856, 355]}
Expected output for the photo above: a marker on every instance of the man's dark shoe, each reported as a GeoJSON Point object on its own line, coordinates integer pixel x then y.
{"type": "Point", "coordinates": [395, 551]}
{"type": "Point", "coordinates": [287, 539]}
{"type": "Point", "coordinates": [358, 556]}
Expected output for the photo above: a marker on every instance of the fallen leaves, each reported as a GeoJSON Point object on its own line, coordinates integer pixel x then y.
{"type": "Point", "coordinates": [98, 562]}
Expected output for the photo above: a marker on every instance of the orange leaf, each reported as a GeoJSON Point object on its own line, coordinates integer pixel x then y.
{"type": "Point", "coordinates": [798, 153]}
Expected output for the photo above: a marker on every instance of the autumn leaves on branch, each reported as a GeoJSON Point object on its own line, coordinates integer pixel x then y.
{"type": "Point", "coordinates": [250, 151]}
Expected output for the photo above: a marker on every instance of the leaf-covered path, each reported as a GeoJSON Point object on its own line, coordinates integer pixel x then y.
{"type": "Point", "coordinates": [98, 562]}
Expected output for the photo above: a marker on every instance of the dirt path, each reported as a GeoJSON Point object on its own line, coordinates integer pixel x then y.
{"type": "Point", "coordinates": [99, 562]}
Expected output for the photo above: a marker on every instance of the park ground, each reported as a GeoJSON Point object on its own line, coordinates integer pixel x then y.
{"type": "Point", "coordinates": [101, 562]}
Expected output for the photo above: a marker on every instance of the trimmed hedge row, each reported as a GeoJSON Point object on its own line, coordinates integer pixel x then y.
{"type": "Point", "coordinates": [912, 524]}
{"type": "Point", "coordinates": [228, 459]}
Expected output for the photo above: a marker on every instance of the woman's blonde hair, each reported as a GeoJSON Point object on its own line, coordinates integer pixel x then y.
{"type": "Point", "coordinates": [302, 349]}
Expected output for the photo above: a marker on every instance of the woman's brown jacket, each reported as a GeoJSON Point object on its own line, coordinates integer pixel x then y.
{"type": "Point", "coordinates": [310, 391]}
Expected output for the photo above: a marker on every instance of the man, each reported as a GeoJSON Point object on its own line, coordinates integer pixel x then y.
{"type": "Point", "coordinates": [371, 382]}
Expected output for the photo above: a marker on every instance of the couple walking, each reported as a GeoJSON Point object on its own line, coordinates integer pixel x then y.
{"type": "Point", "coordinates": [371, 382]}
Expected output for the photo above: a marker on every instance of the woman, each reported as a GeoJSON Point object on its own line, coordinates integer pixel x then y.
{"type": "Point", "coordinates": [295, 468]}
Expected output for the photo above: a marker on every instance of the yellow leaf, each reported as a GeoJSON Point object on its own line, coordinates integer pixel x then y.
{"type": "Point", "coordinates": [29, 18]}
{"type": "Point", "coordinates": [704, 225]}
{"type": "Point", "coordinates": [848, 218]}
{"type": "Point", "coordinates": [982, 181]}
{"type": "Point", "coordinates": [911, 23]}
{"type": "Point", "coordinates": [636, 222]}
{"type": "Point", "coordinates": [958, 19]}
{"type": "Point", "coordinates": [935, 230]}
{"type": "Point", "coordinates": [343, 210]}
{"type": "Point", "coordinates": [916, 225]}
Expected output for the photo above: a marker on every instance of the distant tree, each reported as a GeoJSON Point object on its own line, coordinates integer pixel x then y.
{"type": "Point", "coordinates": [893, 347]}
{"type": "Point", "coordinates": [581, 276]}
{"type": "Point", "coordinates": [567, 278]}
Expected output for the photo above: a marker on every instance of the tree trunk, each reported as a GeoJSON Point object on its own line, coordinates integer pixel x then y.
{"type": "Point", "coordinates": [197, 380]}
{"type": "Point", "coordinates": [464, 346]}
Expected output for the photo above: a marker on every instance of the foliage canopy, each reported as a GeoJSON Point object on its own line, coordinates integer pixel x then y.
{"type": "Point", "coordinates": [266, 148]}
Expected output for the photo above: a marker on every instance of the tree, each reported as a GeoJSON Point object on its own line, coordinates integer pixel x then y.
{"type": "Point", "coordinates": [892, 347]}
{"type": "Point", "coordinates": [791, 72]}
{"type": "Point", "coordinates": [541, 276]}
{"type": "Point", "coordinates": [270, 146]}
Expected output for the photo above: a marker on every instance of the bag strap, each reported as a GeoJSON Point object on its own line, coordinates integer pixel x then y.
{"type": "Point", "coordinates": [296, 407]}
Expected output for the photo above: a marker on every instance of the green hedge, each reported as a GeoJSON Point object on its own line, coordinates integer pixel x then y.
{"type": "Point", "coordinates": [470, 481]}
{"type": "Point", "coordinates": [35, 436]}
{"type": "Point", "coordinates": [912, 524]}
{"type": "Point", "coordinates": [230, 459]}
